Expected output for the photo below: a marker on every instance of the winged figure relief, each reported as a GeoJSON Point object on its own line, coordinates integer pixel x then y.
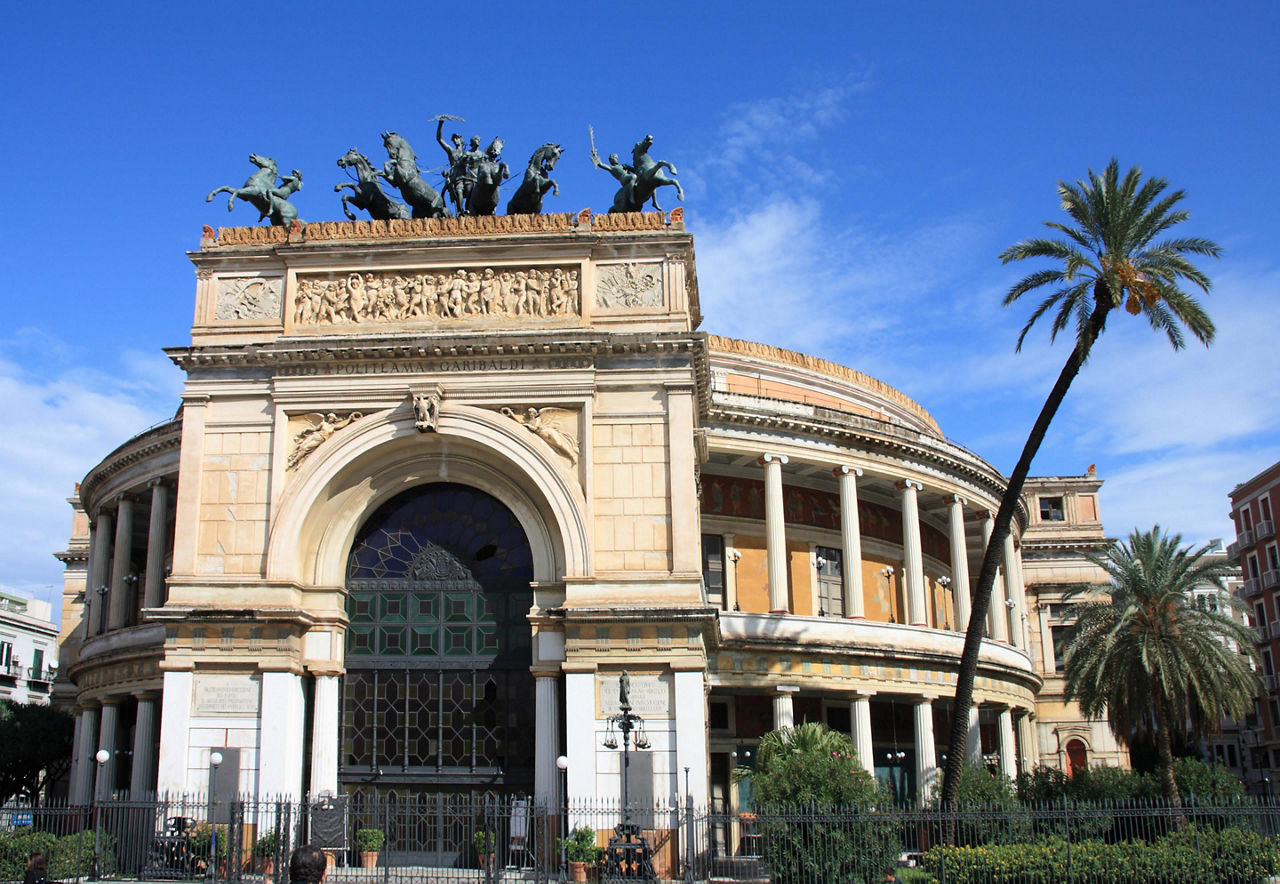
{"type": "Point", "coordinates": [549, 424]}
{"type": "Point", "coordinates": [316, 429]}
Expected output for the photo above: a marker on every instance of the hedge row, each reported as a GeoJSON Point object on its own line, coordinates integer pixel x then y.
{"type": "Point", "coordinates": [68, 856]}
{"type": "Point", "coordinates": [1190, 856]}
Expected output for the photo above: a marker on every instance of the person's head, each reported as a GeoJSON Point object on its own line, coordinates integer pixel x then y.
{"type": "Point", "coordinates": [37, 861]}
{"type": "Point", "coordinates": [456, 139]}
{"type": "Point", "coordinates": [307, 864]}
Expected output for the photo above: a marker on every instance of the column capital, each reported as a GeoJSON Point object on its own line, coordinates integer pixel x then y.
{"type": "Point", "coordinates": [126, 497]}
{"type": "Point", "coordinates": [772, 458]}
{"type": "Point", "coordinates": [786, 688]}
{"type": "Point", "coordinates": [904, 484]}
{"type": "Point", "coordinates": [545, 673]}
{"type": "Point", "coordinates": [846, 470]}
{"type": "Point", "coordinates": [147, 694]}
{"type": "Point", "coordinates": [861, 694]}
{"type": "Point", "coordinates": [159, 482]}
{"type": "Point", "coordinates": [985, 515]}
{"type": "Point", "coordinates": [955, 498]}
{"type": "Point", "coordinates": [111, 701]}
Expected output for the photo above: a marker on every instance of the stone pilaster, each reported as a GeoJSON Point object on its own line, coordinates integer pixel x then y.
{"type": "Point", "coordinates": [175, 733]}
{"type": "Point", "coordinates": [324, 735]}
{"type": "Point", "coordinates": [691, 733]}
{"type": "Point", "coordinates": [546, 776]}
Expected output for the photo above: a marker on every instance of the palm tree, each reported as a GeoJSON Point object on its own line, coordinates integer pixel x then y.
{"type": "Point", "coordinates": [1148, 657]}
{"type": "Point", "coordinates": [1109, 257]}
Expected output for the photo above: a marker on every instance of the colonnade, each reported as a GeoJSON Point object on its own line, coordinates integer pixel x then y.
{"type": "Point", "coordinates": [927, 769]}
{"type": "Point", "coordinates": [1007, 615]}
{"type": "Point", "coordinates": [97, 728]}
{"type": "Point", "coordinates": [111, 576]}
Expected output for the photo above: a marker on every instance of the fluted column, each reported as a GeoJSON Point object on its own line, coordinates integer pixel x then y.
{"type": "Point", "coordinates": [775, 532]}
{"type": "Point", "coordinates": [926, 754]}
{"type": "Point", "coordinates": [1008, 748]}
{"type": "Point", "coordinates": [157, 541]}
{"type": "Point", "coordinates": [784, 714]}
{"type": "Point", "coordinates": [77, 741]}
{"type": "Point", "coordinates": [95, 596]}
{"type": "Point", "coordinates": [143, 776]}
{"type": "Point", "coordinates": [973, 739]}
{"type": "Point", "coordinates": [959, 562]}
{"type": "Point", "coordinates": [324, 735]}
{"type": "Point", "coordinates": [1017, 628]}
{"type": "Point", "coordinates": [851, 539]}
{"type": "Point", "coordinates": [917, 611]}
{"type": "Point", "coordinates": [998, 616]}
{"type": "Point", "coordinates": [863, 744]}
{"type": "Point", "coordinates": [1027, 740]}
{"type": "Point", "coordinates": [106, 773]}
{"type": "Point", "coordinates": [117, 611]}
{"type": "Point", "coordinates": [82, 786]}
{"type": "Point", "coordinates": [546, 739]}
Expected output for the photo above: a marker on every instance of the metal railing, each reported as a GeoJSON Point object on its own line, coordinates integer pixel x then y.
{"type": "Point", "coordinates": [448, 838]}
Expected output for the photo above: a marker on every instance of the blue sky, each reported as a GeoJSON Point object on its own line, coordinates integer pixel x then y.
{"type": "Point", "coordinates": [851, 173]}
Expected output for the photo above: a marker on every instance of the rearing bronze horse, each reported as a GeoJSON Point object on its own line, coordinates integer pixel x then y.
{"type": "Point", "coordinates": [367, 193]}
{"type": "Point", "coordinates": [260, 191]}
{"type": "Point", "coordinates": [402, 173]}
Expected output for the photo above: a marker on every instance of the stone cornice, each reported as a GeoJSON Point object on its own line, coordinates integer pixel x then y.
{"type": "Point", "coordinates": [300, 350]}
{"type": "Point", "coordinates": [846, 428]}
{"type": "Point", "coordinates": [435, 229]}
{"type": "Point", "coordinates": [768, 353]}
{"type": "Point", "coordinates": [147, 444]}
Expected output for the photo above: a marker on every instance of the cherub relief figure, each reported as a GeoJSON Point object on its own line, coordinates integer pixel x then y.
{"type": "Point", "coordinates": [539, 422]}
{"type": "Point", "coordinates": [319, 428]}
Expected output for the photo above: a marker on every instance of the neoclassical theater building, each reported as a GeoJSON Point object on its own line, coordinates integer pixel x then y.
{"type": "Point", "coordinates": [435, 484]}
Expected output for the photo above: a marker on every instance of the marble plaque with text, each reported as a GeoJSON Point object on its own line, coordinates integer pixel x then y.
{"type": "Point", "coordinates": [226, 694]}
{"type": "Point", "coordinates": [650, 694]}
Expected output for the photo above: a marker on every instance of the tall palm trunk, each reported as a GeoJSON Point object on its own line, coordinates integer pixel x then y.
{"type": "Point", "coordinates": [1164, 748]}
{"type": "Point", "coordinates": [981, 601]}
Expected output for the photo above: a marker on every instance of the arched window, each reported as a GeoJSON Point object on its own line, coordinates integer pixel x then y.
{"type": "Point", "coordinates": [1077, 757]}
{"type": "Point", "coordinates": [437, 689]}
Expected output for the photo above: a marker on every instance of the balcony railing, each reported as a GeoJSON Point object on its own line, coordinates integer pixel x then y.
{"type": "Point", "coordinates": [1263, 632]}
{"type": "Point", "coordinates": [1269, 681]}
{"type": "Point", "coordinates": [1270, 579]}
{"type": "Point", "coordinates": [1233, 550]}
{"type": "Point", "coordinates": [1252, 586]}
{"type": "Point", "coordinates": [1244, 539]}
{"type": "Point", "coordinates": [1264, 528]}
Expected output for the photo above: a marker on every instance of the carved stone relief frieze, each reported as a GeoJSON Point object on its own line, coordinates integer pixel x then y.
{"type": "Point", "coordinates": [248, 298]}
{"type": "Point", "coordinates": [558, 427]}
{"type": "Point", "coordinates": [629, 285]}
{"type": "Point", "coordinates": [313, 430]}
{"type": "Point", "coordinates": [464, 293]}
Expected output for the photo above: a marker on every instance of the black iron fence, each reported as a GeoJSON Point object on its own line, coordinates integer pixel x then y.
{"type": "Point", "coordinates": [447, 838]}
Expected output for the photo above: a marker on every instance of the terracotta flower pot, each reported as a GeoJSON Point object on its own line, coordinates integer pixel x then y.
{"type": "Point", "coordinates": [577, 871]}
{"type": "Point", "coordinates": [369, 859]}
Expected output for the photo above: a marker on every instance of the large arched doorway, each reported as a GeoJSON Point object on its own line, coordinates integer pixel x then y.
{"type": "Point", "coordinates": [437, 695]}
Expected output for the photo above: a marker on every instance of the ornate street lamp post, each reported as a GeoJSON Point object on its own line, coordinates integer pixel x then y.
{"type": "Point", "coordinates": [628, 853]}
{"type": "Point", "coordinates": [102, 756]}
{"type": "Point", "coordinates": [215, 759]}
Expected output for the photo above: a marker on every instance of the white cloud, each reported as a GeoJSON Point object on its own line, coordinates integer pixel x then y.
{"type": "Point", "coordinates": [60, 425]}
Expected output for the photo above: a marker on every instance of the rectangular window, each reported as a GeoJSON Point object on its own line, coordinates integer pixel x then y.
{"type": "Point", "coordinates": [1260, 613]}
{"type": "Point", "coordinates": [1232, 758]}
{"type": "Point", "coordinates": [1252, 561]}
{"type": "Point", "coordinates": [1264, 506]}
{"type": "Point", "coordinates": [1051, 509]}
{"type": "Point", "coordinates": [830, 581]}
{"type": "Point", "coordinates": [713, 568]}
{"type": "Point", "coordinates": [718, 715]}
{"type": "Point", "coordinates": [1266, 662]}
{"type": "Point", "coordinates": [37, 662]}
{"type": "Point", "coordinates": [1246, 519]}
{"type": "Point", "coordinates": [1059, 634]}
{"type": "Point", "coordinates": [6, 654]}
{"type": "Point", "coordinates": [1275, 713]}
{"type": "Point", "coordinates": [1273, 558]}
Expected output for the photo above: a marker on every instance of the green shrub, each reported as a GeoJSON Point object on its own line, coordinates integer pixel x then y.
{"type": "Point", "coordinates": [581, 847]}
{"type": "Point", "coordinates": [802, 775]}
{"type": "Point", "coordinates": [1190, 856]}
{"type": "Point", "coordinates": [1207, 783]}
{"type": "Point", "coordinates": [371, 840]}
{"type": "Point", "coordinates": [990, 809]}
